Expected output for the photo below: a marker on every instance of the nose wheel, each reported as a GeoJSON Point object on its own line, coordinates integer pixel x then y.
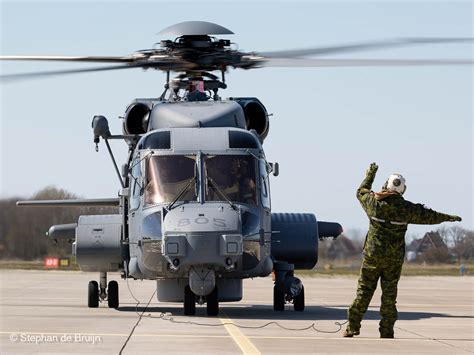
{"type": "Point", "coordinates": [212, 302]}
{"type": "Point", "coordinates": [98, 293]}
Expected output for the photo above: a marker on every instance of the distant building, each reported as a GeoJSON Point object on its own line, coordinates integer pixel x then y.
{"type": "Point", "coordinates": [430, 248]}
{"type": "Point", "coordinates": [431, 240]}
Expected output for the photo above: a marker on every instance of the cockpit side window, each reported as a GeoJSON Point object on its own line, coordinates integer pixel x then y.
{"type": "Point", "coordinates": [265, 186]}
{"type": "Point", "coordinates": [136, 182]}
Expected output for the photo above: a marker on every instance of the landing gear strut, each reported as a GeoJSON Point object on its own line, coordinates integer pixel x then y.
{"type": "Point", "coordinates": [100, 292]}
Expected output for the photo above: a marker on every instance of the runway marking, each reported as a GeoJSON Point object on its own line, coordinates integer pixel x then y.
{"type": "Point", "coordinates": [240, 339]}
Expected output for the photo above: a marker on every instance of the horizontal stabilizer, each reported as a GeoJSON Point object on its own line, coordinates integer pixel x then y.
{"type": "Point", "coordinates": [98, 202]}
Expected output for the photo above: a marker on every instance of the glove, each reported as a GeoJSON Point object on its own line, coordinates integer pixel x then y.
{"type": "Point", "coordinates": [372, 168]}
{"type": "Point", "coordinates": [454, 218]}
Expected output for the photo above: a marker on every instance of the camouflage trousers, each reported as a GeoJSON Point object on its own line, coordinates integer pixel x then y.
{"type": "Point", "coordinates": [371, 270]}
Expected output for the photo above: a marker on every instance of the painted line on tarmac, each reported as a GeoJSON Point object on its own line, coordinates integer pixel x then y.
{"type": "Point", "coordinates": [240, 339]}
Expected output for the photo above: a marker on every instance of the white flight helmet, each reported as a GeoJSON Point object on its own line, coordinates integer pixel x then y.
{"type": "Point", "coordinates": [396, 182]}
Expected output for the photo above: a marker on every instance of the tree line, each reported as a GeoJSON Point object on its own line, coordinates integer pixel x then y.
{"type": "Point", "coordinates": [23, 229]}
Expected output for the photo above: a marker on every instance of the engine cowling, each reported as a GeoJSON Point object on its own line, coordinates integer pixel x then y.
{"type": "Point", "coordinates": [295, 238]}
{"type": "Point", "coordinates": [136, 118]}
{"type": "Point", "coordinates": [256, 116]}
{"type": "Point", "coordinates": [98, 245]}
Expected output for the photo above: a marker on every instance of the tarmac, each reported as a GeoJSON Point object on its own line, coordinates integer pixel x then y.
{"type": "Point", "coordinates": [46, 312]}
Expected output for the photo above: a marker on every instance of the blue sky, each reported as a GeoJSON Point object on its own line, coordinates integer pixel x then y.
{"type": "Point", "coordinates": [328, 124]}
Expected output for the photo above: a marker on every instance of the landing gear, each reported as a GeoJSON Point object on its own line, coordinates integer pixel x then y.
{"type": "Point", "coordinates": [100, 292]}
{"type": "Point", "coordinates": [189, 302]}
{"type": "Point", "coordinates": [113, 294]}
{"type": "Point", "coordinates": [298, 301]}
{"type": "Point", "coordinates": [190, 299]}
{"type": "Point", "coordinates": [212, 301]}
{"type": "Point", "coordinates": [93, 295]}
{"type": "Point", "coordinates": [288, 288]}
{"type": "Point", "coordinates": [278, 300]}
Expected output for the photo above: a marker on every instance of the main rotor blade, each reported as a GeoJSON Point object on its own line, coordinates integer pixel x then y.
{"type": "Point", "coordinates": [25, 76]}
{"type": "Point", "coordinates": [58, 58]}
{"type": "Point", "coordinates": [363, 46]}
{"type": "Point", "coordinates": [308, 62]}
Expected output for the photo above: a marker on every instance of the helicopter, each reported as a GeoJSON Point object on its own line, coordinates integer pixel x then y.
{"type": "Point", "coordinates": [194, 204]}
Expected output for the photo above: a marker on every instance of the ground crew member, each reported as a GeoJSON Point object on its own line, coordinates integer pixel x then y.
{"type": "Point", "coordinates": [384, 249]}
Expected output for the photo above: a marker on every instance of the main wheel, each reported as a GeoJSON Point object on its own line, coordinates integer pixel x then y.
{"type": "Point", "coordinates": [189, 302]}
{"type": "Point", "coordinates": [278, 299]}
{"type": "Point", "coordinates": [298, 301]}
{"type": "Point", "coordinates": [212, 303]}
{"type": "Point", "coordinates": [93, 295]}
{"type": "Point", "coordinates": [113, 294]}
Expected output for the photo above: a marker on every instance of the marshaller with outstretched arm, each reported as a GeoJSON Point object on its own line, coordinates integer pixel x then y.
{"type": "Point", "coordinates": [384, 248]}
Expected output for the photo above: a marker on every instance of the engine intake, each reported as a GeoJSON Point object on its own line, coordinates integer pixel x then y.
{"type": "Point", "coordinates": [136, 118]}
{"type": "Point", "coordinates": [256, 116]}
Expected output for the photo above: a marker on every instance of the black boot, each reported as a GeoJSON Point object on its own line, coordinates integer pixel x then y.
{"type": "Point", "coordinates": [386, 333]}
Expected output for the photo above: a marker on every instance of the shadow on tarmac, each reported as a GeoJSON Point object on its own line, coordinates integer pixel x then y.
{"type": "Point", "coordinates": [314, 313]}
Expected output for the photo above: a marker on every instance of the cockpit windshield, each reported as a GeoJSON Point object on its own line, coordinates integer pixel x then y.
{"type": "Point", "coordinates": [230, 177]}
{"type": "Point", "coordinates": [168, 176]}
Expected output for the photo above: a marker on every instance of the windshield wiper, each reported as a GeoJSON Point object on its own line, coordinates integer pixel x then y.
{"type": "Point", "coordinates": [222, 193]}
{"type": "Point", "coordinates": [182, 192]}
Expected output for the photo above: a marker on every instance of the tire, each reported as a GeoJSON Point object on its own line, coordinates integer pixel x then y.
{"type": "Point", "coordinates": [298, 301]}
{"type": "Point", "coordinates": [278, 300]}
{"type": "Point", "coordinates": [189, 302]}
{"type": "Point", "coordinates": [212, 303]}
{"type": "Point", "coordinates": [93, 295]}
{"type": "Point", "coordinates": [113, 294]}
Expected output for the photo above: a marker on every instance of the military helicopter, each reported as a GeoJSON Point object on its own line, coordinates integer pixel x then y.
{"type": "Point", "coordinates": [194, 204]}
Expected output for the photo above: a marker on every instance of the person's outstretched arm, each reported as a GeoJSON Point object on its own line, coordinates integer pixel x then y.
{"type": "Point", "coordinates": [419, 214]}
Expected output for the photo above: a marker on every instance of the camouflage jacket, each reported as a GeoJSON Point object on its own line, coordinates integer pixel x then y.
{"type": "Point", "coordinates": [389, 216]}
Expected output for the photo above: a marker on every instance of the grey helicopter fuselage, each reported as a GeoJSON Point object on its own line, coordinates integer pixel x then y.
{"type": "Point", "coordinates": [202, 237]}
{"type": "Point", "coordinates": [195, 212]}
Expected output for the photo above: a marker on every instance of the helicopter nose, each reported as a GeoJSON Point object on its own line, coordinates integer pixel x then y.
{"type": "Point", "coordinates": [200, 235]}
{"type": "Point", "coordinates": [202, 218]}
